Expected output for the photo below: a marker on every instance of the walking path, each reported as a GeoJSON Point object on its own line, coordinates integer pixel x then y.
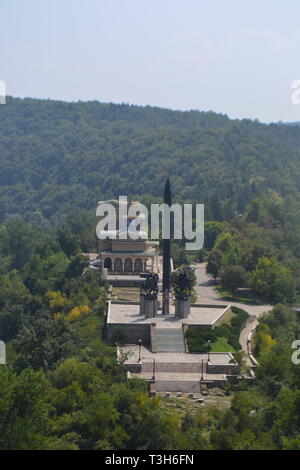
{"type": "Point", "coordinates": [207, 294]}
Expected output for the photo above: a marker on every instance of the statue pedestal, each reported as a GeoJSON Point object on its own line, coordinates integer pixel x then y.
{"type": "Point", "coordinates": [182, 307]}
{"type": "Point", "coordinates": [150, 306]}
{"type": "Point", "coordinates": [142, 305]}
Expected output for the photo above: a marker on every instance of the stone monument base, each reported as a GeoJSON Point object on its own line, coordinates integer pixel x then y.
{"type": "Point", "coordinates": [142, 305]}
{"type": "Point", "coordinates": [150, 306]}
{"type": "Point", "coordinates": [182, 307]}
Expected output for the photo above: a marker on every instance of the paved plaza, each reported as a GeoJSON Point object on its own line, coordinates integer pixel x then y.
{"type": "Point", "coordinates": [190, 358]}
{"type": "Point", "coordinates": [177, 371]}
{"type": "Point", "coordinates": [122, 313]}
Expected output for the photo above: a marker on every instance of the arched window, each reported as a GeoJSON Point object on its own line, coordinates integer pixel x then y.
{"type": "Point", "coordinates": [118, 265]}
{"type": "Point", "coordinates": [107, 263]}
{"type": "Point", "coordinates": [138, 265]}
{"type": "Point", "coordinates": [128, 265]}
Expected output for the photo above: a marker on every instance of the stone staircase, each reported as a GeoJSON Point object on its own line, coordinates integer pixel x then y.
{"type": "Point", "coordinates": [170, 340]}
{"type": "Point", "coordinates": [174, 368]}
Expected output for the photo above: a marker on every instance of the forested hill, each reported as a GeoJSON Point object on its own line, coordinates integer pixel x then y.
{"type": "Point", "coordinates": [56, 156]}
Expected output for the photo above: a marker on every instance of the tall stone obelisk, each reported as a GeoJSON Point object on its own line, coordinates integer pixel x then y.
{"type": "Point", "coordinates": [167, 254]}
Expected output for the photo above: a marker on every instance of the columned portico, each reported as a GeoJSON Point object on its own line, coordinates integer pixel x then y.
{"type": "Point", "coordinates": [128, 262]}
{"type": "Point", "coordinates": [121, 255]}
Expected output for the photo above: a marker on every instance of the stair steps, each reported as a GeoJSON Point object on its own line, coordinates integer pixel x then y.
{"type": "Point", "coordinates": [170, 340]}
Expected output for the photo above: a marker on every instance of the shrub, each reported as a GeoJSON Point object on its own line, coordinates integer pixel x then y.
{"type": "Point", "coordinates": [119, 335]}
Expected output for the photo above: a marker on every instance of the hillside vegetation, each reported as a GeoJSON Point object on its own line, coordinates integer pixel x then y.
{"type": "Point", "coordinates": [55, 156]}
{"type": "Point", "coordinates": [62, 387]}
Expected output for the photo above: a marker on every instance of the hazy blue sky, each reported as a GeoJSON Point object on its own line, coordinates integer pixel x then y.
{"type": "Point", "coordinates": [232, 56]}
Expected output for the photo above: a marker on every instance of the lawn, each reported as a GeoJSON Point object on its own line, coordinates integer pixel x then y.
{"type": "Point", "coordinates": [224, 338]}
{"type": "Point", "coordinates": [239, 297]}
{"type": "Point", "coordinates": [221, 345]}
{"type": "Point", "coordinates": [126, 293]}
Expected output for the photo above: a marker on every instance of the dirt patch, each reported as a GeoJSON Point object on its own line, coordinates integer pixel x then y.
{"type": "Point", "coordinates": [185, 404]}
{"type": "Point", "coordinates": [126, 293]}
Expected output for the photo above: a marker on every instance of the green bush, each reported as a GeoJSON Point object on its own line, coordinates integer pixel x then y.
{"type": "Point", "coordinates": [198, 339]}
{"type": "Point", "coordinates": [119, 335]}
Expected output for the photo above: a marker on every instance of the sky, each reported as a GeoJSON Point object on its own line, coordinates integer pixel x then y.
{"type": "Point", "coordinates": [235, 57]}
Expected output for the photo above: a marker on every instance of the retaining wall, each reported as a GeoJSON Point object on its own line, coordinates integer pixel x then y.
{"type": "Point", "coordinates": [176, 386]}
{"type": "Point", "coordinates": [134, 367]}
{"type": "Point", "coordinates": [134, 332]}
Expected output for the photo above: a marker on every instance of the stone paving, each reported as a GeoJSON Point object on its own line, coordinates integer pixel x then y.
{"type": "Point", "coordinates": [174, 370]}
{"type": "Point", "coordinates": [129, 314]}
{"type": "Point", "coordinates": [148, 356]}
{"type": "Point", "coordinates": [178, 377]}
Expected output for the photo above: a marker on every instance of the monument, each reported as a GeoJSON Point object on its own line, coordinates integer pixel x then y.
{"type": "Point", "coordinates": [167, 256]}
{"type": "Point", "coordinates": [148, 295]}
{"type": "Point", "coordinates": [156, 346]}
{"type": "Point", "coordinates": [183, 281]}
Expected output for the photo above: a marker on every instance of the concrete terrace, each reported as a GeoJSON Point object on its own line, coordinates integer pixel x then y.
{"type": "Point", "coordinates": [177, 372]}
{"type": "Point", "coordinates": [192, 358]}
{"type": "Point", "coordinates": [179, 378]}
{"type": "Point", "coordinates": [128, 313]}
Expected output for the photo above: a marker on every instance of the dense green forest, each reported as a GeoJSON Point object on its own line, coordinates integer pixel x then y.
{"type": "Point", "coordinates": [63, 387]}
{"type": "Point", "coordinates": [260, 250]}
{"type": "Point", "coordinates": [57, 156]}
